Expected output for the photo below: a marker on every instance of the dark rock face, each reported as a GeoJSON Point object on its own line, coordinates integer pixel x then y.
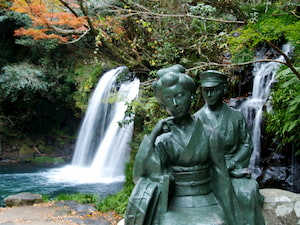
{"type": "Point", "coordinates": [24, 198]}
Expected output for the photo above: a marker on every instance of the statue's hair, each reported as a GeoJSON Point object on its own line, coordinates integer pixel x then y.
{"type": "Point", "coordinates": [174, 68]}
{"type": "Point", "coordinates": [172, 76]}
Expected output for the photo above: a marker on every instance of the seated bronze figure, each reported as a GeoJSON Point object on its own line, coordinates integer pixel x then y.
{"type": "Point", "coordinates": [237, 144]}
{"type": "Point", "coordinates": [180, 170]}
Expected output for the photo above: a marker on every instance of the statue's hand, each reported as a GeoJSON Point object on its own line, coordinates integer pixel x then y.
{"type": "Point", "coordinates": [231, 165]}
{"type": "Point", "coordinates": [242, 172]}
{"type": "Point", "coordinates": [161, 127]}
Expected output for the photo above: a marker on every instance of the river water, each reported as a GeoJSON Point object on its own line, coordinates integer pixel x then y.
{"type": "Point", "coordinates": [16, 178]}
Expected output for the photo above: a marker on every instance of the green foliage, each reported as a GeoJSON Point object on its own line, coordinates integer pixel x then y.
{"type": "Point", "coordinates": [78, 197]}
{"type": "Point", "coordinates": [275, 24]}
{"type": "Point", "coordinates": [22, 81]}
{"type": "Point", "coordinates": [48, 160]}
{"type": "Point", "coordinates": [117, 202]}
{"type": "Point", "coordinates": [284, 120]}
{"type": "Point", "coordinates": [37, 46]}
{"type": "Point", "coordinates": [19, 19]}
{"type": "Point", "coordinates": [86, 77]}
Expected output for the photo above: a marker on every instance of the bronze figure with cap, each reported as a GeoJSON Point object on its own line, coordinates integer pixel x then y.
{"type": "Point", "coordinates": [237, 145]}
{"type": "Point", "coordinates": [179, 170]}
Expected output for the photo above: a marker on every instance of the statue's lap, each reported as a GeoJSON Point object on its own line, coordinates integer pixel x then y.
{"type": "Point", "coordinates": [194, 210]}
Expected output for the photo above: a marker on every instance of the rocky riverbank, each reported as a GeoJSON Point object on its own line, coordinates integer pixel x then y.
{"type": "Point", "coordinates": [56, 213]}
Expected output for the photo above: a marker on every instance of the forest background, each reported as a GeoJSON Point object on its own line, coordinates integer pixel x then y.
{"type": "Point", "coordinates": [53, 52]}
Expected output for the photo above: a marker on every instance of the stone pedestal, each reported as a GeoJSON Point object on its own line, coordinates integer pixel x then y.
{"type": "Point", "coordinates": [281, 207]}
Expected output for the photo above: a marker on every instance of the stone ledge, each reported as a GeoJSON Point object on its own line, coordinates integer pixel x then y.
{"type": "Point", "coordinates": [281, 207]}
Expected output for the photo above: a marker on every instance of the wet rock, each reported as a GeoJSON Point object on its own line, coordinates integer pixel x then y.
{"type": "Point", "coordinates": [24, 198]}
{"type": "Point", "coordinates": [80, 209]}
{"type": "Point", "coordinates": [281, 207]}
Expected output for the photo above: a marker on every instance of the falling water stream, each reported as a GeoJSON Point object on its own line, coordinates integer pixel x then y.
{"type": "Point", "coordinates": [101, 151]}
{"type": "Point", "coordinates": [254, 106]}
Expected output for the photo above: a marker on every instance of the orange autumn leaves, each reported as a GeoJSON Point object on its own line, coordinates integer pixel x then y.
{"type": "Point", "coordinates": [51, 20]}
{"type": "Point", "coordinates": [59, 19]}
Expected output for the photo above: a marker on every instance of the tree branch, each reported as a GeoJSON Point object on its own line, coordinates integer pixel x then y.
{"type": "Point", "coordinates": [81, 36]}
{"type": "Point", "coordinates": [287, 59]}
{"type": "Point", "coordinates": [69, 8]}
{"type": "Point", "coordinates": [85, 13]}
{"type": "Point", "coordinates": [6, 118]}
{"type": "Point", "coordinates": [233, 64]}
{"type": "Point", "coordinates": [66, 31]}
{"type": "Point", "coordinates": [130, 12]}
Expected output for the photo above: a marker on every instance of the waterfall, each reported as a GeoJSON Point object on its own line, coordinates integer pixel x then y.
{"type": "Point", "coordinates": [95, 120]}
{"type": "Point", "coordinates": [112, 150]}
{"type": "Point", "coordinates": [102, 145]}
{"type": "Point", "coordinates": [253, 108]}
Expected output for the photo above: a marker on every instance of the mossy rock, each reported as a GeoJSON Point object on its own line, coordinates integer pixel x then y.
{"type": "Point", "coordinates": [26, 153]}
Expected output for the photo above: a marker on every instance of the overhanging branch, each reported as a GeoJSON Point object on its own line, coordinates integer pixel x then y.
{"type": "Point", "coordinates": [287, 59]}
{"type": "Point", "coordinates": [131, 12]}
{"type": "Point", "coordinates": [232, 64]}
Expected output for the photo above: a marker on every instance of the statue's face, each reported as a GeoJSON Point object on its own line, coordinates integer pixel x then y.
{"type": "Point", "coordinates": [176, 100]}
{"type": "Point", "coordinates": [213, 95]}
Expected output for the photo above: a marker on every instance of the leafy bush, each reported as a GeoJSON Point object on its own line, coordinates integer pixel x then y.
{"type": "Point", "coordinates": [274, 24]}
{"type": "Point", "coordinates": [86, 77]}
{"type": "Point", "coordinates": [284, 120]}
{"type": "Point", "coordinates": [78, 197]}
{"type": "Point", "coordinates": [117, 202]}
{"type": "Point", "coordinates": [22, 81]}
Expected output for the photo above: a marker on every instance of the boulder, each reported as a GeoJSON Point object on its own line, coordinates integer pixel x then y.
{"type": "Point", "coordinates": [281, 207]}
{"type": "Point", "coordinates": [24, 198]}
{"type": "Point", "coordinates": [26, 153]}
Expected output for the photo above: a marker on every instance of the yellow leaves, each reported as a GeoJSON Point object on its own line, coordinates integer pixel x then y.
{"type": "Point", "coordinates": [109, 28]}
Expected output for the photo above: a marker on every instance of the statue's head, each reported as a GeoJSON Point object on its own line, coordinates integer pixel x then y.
{"type": "Point", "coordinates": [212, 78]}
{"type": "Point", "coordinates": [214, 87]}
{"type": "Point", "coordinates": [174, 90]}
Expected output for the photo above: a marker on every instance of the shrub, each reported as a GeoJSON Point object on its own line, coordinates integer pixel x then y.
{"type": "Point", "coordinates": [284, 121]}
{"type": "Point", "coordinates": [22, 81]}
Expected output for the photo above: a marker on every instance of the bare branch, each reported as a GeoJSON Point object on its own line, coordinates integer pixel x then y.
{"type": "Point", "coordinates": [6, 118]}
{"type": "Point", "coordinates": [147, 12]}
{"type": "Point", "coordinates": [233, 64]}
{"type": "Point", "coordinates": [67, 5]}
{"type": "Point", "coordinates": [85, 13]}
{"type": "Point", "coordinates": [287, 59]}
{"type": "Point", "coordinates": [81, 36]}
{"type": "Point", "coordinates": [67, 31]}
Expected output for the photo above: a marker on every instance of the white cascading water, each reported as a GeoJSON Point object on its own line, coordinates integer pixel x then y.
{"type": "Point", "coordinates": [110, 162]}
{"type": "Point", "coordinates": [95, 120]}
{"type": "Point", "coordinates": [102, 146]}
{"type": "Point", "coordinates": [264, 76]}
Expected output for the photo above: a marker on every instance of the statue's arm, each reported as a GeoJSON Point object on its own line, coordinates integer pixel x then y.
{"type": "Point", "coordinates": [244, 146]}
{"type": "Point", "coordinates": [222, 186]}
{"type": "Point", "coordinates": [148, 161]}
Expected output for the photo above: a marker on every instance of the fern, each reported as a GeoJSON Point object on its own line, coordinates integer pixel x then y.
{"type": "Point", "coordinates": [284, 120]}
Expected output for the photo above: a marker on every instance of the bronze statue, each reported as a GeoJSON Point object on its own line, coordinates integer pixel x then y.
{"type": "Point", "coordinates": [180, 172]}
{"type": "Point", "coordinates": [237, 143]}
